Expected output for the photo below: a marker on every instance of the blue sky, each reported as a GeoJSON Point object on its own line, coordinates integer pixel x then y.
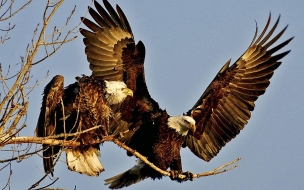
{"type": "Point", "coordinates": [187, 42]}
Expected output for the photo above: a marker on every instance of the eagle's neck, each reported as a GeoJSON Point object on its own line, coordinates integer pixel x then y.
{"type": "Point", "coordinates": [181, 124]}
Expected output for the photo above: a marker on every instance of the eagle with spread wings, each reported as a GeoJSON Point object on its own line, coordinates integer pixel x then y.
{"type": "Point", "coordinates": [215, 119]}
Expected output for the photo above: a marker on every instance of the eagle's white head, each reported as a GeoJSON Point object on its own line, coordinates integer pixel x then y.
{"type": "Point", "coordinates": [182, 124]}
{"type": "Point", "coordinates": [116, 92]}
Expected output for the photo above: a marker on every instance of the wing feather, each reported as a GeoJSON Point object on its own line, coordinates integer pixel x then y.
{"type": "Point", "coordinates": [225, 107]}
{"type": "Point", "coordinates": [106, 41]}
{"type": "Point", "coordinates": [113, 55]}
{"type": "Point", "coordinates": [46, 126]}
{"type": "Point", "coordinates": [113, 14]}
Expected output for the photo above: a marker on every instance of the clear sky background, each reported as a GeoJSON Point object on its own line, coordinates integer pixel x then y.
{"type": "Point", "coordinates": [187, 42]}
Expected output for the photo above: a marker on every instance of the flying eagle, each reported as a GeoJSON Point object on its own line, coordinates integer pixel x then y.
{"type": "Point", "coordinates": [82, 105]}
{"type": "Point", "coordinates": [215, 119]}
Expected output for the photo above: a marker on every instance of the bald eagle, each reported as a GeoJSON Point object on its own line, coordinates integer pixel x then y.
{"type": "Point", "coordinates": [215, 119]}
{"type": "Point", "coordinates": [82, 105]}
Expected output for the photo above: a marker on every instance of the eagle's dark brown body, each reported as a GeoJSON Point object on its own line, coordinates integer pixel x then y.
{"type": "Point", "coordinates": [220, 113]}
{"type": "Point", "coordinates": [167, 145]}
{"type": "Point", "coordinates": [83, 106]}
{"type": "Point", "coordinates": [84, 102]}
{"type": "Point", "coordinates": [161, 145]}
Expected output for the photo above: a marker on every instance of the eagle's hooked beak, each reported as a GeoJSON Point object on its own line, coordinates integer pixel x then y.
{"type": "Point", "coordinates": [127, 92]}
{"type": "Point", "coordinates": [192, 128]}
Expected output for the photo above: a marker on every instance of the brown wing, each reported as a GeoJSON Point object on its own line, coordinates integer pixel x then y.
{"type": "Point", "coordinates": [46, 125]}
{"type": "Point", "coordinates": [225, 107]}
{"type": "Point", "coordinates": [113, 55]}
{"type": "Point", "coordinates": [106, 41]}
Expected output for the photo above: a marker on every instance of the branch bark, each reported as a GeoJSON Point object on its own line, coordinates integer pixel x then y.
{"type": "Point", "coordinates": [71, 143]}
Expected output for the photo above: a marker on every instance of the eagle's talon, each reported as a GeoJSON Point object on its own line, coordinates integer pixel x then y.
{"type": "Point", "coordinates": [189, 176]}
{"type": "Point", "coordinates": [174, 174]}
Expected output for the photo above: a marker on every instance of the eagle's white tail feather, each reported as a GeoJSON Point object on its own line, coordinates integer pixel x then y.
{"type": "Point", "coordinates": [127, 178]}
{"type": "Point", "coordinates": [84, 161]}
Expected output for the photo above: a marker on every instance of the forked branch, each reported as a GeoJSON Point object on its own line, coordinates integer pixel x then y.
{"type": "Point", "coordinates": [221, 169]}
{"type": "Point", "coordinates": [51, 140]}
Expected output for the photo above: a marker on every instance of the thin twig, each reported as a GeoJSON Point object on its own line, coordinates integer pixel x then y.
{"type": "Point", "coordinates": [14, 12]}
{"type": "Point", "coordinates": [38, 182]}
{"type": "Point", "coordinates": [20, 157]}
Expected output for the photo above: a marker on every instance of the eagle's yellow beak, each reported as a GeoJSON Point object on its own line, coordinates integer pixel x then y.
{"type": "Point", "coordinates": [192, 128]}
{"type": "Point", "coordinates": [128, 92]}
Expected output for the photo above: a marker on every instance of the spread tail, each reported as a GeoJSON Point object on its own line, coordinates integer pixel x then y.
{"type": "Point", "coordinates": [84, 161]}
{"type": "Point", "coordinates": [129, 177]}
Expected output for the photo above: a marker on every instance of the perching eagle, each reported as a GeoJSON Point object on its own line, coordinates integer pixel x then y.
{"type": "Point", "coordinates": [82, 105]}
{"type": "Point", "coordinates": [217, 117]}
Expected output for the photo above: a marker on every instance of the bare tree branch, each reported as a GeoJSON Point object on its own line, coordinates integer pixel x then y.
{"type": "Point", "coordinates": [6, 32]}
{"type": "Point", "coordinates": [55, 36]}
{"type": "Point", "coordinates": [40, 180]}
{"type": "Point", "coordinates": [20, 157]}
{"type": "Point", "coordinates": [14, 94]}
{"type": "Point", "coordinates": [218, 170]}
{"type": "Point", "coordinates": [10, 10]}
{"type": "Point", "coordinates": [71, 143]}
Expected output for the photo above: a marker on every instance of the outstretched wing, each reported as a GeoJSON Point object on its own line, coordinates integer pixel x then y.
{"type": "Point", "coordinates": [113, 55]}
{"type": "Point", "coordinates": [107, 41]}
{"type": "Point", "coordinates": [46, 125]}
{"type": "Point", "coordinates": [225, 107]}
